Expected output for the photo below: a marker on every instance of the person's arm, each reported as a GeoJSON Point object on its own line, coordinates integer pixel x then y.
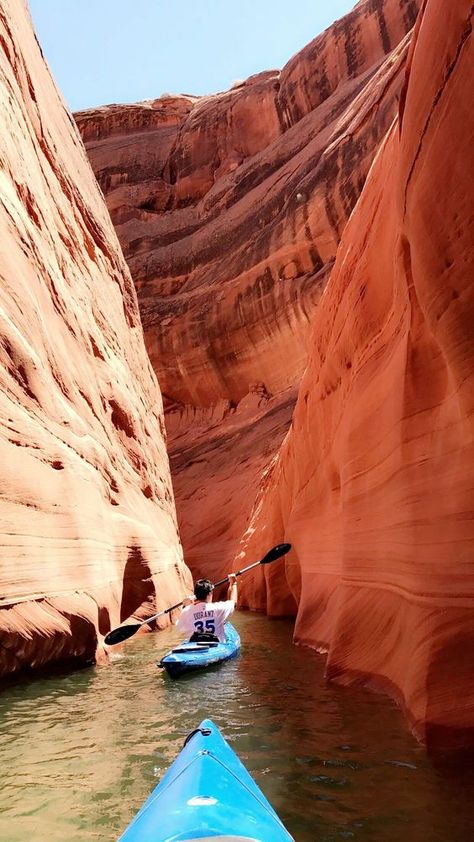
{"type": "Point", "coordinates": [188, 600]}
{"type": "Point", "coordinates": [232, 590]}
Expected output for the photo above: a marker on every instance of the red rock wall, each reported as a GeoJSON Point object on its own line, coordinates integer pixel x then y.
{"type": "Point", "coordinates": [87, 520]}
{"type": "Point", "coordinates": [229, 209]}
{"type": "Point", "coordinates": [373, 484]}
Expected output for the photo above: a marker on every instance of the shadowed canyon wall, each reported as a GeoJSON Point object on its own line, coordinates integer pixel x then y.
{"type": "Point", "coordinates": [373, 484]}
{"type": "Point", "coordinates": [87, 519]}
{"type": "Point", "coordinates": [229, 209]}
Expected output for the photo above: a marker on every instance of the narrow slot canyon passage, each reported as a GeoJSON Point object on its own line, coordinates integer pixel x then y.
{"type": "Point", "coordinates": [230, 321]}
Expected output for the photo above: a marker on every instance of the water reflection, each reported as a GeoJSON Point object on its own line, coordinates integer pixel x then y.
{"type": "Point", "coordinates": [80, 752]}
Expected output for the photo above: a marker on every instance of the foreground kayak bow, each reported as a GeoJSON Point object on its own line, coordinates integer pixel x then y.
{"type": "Point", "coordinates": [206, 794]}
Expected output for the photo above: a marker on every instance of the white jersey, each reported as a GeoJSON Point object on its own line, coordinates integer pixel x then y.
{"type": "Point", "coordinates": [205, 617]}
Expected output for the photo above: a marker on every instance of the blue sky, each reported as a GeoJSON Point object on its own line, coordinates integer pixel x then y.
{"type": "Point", "coordinates": [103, 51]}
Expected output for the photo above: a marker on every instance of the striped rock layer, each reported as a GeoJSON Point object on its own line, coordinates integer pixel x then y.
{"type": "Point", "coordinates": [373, 484]}
{"type": "Point", "coordinates": [87, 520]}
{"type": "Point", "coordinates": [229, 209]}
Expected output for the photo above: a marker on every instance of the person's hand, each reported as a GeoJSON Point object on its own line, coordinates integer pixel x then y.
{"type": "Point", "coordinates": [188, 600]}
{"type": "Point", "coordinates": [232, 579]}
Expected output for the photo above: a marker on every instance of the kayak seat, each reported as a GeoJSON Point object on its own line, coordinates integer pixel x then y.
{"type": "Point", "coordinates": [222, 839]}
{"type": "Point", "coordinates": [203, 637]}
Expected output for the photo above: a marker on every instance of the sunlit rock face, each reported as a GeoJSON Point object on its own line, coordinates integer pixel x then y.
{"type": "Point", "coordinates": [230, 209]}
{"type": "Point", "coordinates": [373, 484]}
{"type": "Point", "coordinates": [87, 520]}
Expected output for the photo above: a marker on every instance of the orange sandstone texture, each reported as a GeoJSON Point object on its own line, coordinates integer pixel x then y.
{"type": "Point", "coordinates": [373, 484]}
{"type": "Point", "coordinates": [87, 521]}
{"type": "Point", "coordinates": [229, 209]}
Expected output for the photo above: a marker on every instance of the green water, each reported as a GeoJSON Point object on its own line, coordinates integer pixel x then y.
{"type": "Point", "coordinates": [80, 752]}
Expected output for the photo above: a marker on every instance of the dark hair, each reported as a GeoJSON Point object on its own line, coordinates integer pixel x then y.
{"type": "Point", "coordinates": [202, 589]}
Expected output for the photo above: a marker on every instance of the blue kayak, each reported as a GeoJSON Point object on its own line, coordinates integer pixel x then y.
{"type": "Point", "coordinates": [187, 656]}
{"type": "Point", "coordinates": [206, 794]}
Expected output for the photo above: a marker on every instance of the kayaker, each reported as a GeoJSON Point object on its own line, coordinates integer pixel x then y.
{"type": "Point", "coordinates": [201, 616]}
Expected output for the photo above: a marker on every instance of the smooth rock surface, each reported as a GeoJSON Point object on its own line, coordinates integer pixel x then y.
{"type": "Point", "coordinates": [373, 484]}
{"type": "Point", "coordinates": [230, 209]}
{"type": "Point", "coordinates": [87, 520]}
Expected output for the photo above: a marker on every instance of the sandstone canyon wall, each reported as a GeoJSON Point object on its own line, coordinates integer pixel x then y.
{"type": "Point", "coordinates": [373, 484]}
{"type": "Point", "coordinates": [229, 209]}
{"type": "Point", "coordinates": [87, 520]}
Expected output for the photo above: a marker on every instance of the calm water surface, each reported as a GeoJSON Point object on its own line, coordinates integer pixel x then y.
{"type": "Point", "coordinates": [79, 753]}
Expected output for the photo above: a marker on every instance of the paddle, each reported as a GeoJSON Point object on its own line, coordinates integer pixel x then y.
{"type": "Point", "coordinates": [124, 632]}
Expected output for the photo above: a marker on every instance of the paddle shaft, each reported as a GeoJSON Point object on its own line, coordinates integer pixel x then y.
{"type": "Point", "coordinates": [160, 614]}
{"type": "Point", "coordinates": [238, 573]}
{"type": "Point", "coordinates": [178, 604]}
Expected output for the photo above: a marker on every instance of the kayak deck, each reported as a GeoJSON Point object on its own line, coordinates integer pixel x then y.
{"type": "Point", "coordinates": [187, 657]}
{"type": "Point", "coordinates": [206, 794]}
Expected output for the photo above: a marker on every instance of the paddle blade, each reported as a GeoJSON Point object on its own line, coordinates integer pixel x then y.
{"type": "Point", "coordinates": [276, 552]}
{"type": "Point", "coordinates": [121, 634]}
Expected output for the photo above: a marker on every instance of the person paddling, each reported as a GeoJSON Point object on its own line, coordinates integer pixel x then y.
{"type": "Point", "coordinates": [203, 619]}
{"type": "Point", "coordinates": [122, 633]}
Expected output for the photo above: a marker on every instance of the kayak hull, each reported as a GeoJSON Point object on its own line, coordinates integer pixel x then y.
{"type": "Point", "coordinates": [206, 794]}
{"type": "Point", "coordinates": [189, 657]}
